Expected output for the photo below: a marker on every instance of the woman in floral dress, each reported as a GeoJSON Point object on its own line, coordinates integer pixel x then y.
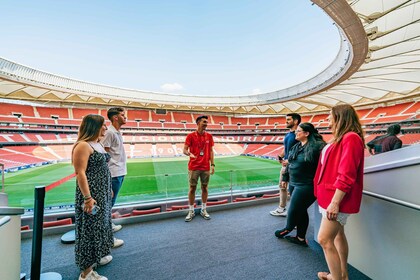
{"type": "Point", "coordinates": [94, 237]}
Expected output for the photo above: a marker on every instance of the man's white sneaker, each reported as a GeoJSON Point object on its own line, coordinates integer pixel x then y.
{"type": "Point", "coordinates": [117, 242]}
{"type": "Point", "coordinates": [92, 275]}
{"type": "Point", "coordinates": [279, 212]}
{"type": "Point", "coordinates": [204, 214]}
{"type": "Point", "coordinates": [190, 216]}
{"type": "Point", "coordinates": [105, 260]}
{"type": "Point", "coordinates": [116, 228]}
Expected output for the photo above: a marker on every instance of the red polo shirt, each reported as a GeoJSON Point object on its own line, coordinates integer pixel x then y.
{"type": "Point", "coordinates": [201, 146]}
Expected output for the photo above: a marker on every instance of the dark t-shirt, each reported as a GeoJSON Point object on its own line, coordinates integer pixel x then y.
{"type": "Point", "coordinates": [300, 171]}
{"type": "Point", "coordinates": [390, 143]}
{"type": "Point", "coordinates": [288, 142]}
{"type": "Point", "coordinates": [385, 143]}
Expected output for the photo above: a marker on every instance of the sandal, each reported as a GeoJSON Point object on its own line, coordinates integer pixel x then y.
{"type": "Point", "coordinates": [323, 275]}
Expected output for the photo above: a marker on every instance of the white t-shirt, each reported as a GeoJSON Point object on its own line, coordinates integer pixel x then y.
{"type": "Point", "coordinates": [324, 151]}
{"type": "Point", "coordinates": [114, 141]}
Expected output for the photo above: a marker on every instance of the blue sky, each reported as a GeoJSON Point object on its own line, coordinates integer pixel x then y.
{"type": "Point", "coordinates": [201, 47]}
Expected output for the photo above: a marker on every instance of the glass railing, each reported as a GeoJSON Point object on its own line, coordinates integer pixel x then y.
{"type": "Point", "coordinates": [141, 189]}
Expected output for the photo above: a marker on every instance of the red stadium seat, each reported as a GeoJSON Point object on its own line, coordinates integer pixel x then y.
{"type": "Point", "coordinates": [125, 215]}
{"type": "Point", "coordinates": [57, 223]}
{"type": "Point", "coordinates": [270, 195]}
{"type": "Point", "coordinates": [145, 212]}
{"type": "Point", "coordinates": [239, 199]}
{"type": "Point", "coordinates": [211, 203]}
{"type": "Point", "coordinates": [117, 215]}
{"type": "Point", "coordinates": [24, 228]}
{"type": "Point", "coordinates": [179, 207]}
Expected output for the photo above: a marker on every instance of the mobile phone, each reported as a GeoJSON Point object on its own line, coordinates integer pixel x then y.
{"type": "Point", "coordinates": [95, 209]}
{"type": "Point", "coordinates": [280, 158]}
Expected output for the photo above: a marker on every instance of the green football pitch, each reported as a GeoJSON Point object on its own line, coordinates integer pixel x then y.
{"type": "Point", "coordinates": [147, 180]}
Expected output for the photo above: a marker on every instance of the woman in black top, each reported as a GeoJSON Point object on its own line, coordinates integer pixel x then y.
{"type": "Point", "coordinates": [300, 172]}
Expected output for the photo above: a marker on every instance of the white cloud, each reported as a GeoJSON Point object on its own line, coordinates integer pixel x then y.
{"type": "Point", "coordinates": [171, 87]}
{"type": "Point", "coordinates": [256, 91]}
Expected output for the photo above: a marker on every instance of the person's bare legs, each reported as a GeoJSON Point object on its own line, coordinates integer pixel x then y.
{"type": "Point", "coordinates": [342, 246]}
{"type": "Point", "coordinates": [191, 195]}
{"type": "Point", "coordinates": [326, 238]}
{"type": "Point", "coordinates": [283, 197]}
{"type": "Point", "coordinates": [204, 193]}
{"type": "Point", "coordinates": [86, 271]}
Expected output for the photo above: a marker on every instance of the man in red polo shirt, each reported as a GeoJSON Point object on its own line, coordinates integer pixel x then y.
{"type": "Point", "coordinates": [199, 148]}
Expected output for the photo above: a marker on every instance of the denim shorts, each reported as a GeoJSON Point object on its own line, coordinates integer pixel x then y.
{"type": "Point", "coordinates": [341, 217]}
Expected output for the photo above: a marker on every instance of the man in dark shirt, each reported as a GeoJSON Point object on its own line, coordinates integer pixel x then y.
{"type": "Point", "coordinates": [387, 142]}
{"type": "Point", "coordinates": [292, 122]}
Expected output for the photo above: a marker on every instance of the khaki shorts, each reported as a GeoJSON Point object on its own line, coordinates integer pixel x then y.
{"type": "Point", "coordinates": [282, 171]}
{"type": "Point", "coordinates": [195, 174]}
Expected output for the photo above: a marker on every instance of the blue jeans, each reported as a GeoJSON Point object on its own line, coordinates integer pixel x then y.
{"type": "Point", "coordinates": [116, 186]}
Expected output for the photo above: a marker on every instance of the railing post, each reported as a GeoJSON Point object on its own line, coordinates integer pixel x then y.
{"type": "Point", "coordinates": [37, 232]}
{"type": "Point", "coordinates": [37, 238]}
{"type": "Point", "coordinates": [166, 191]}
{"type": "Point", "coordinates": [231, 185]}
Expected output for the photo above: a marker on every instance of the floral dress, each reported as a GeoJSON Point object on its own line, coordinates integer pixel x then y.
{"type": "Point", "coordinates": [94, 237]}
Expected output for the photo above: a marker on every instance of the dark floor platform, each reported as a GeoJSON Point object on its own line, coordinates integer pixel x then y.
{"type": "Point", "coordinates": [235, 244]}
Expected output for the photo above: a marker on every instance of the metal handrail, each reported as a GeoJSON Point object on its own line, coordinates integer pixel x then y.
{"type": "Point", "coordinates": [4, 220]}
{"type": "Point", "coordinates": [393, 200]}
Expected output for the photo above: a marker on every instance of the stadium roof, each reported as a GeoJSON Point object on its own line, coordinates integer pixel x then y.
{"type": "Point", "coordinates": [378, 62]}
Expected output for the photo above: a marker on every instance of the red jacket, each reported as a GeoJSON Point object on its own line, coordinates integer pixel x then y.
{"type": "Point", "coordinates": [343, 170]}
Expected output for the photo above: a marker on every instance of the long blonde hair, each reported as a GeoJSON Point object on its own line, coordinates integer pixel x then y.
{"type": "Point", "coordinates": [89, 129]}
{"type": "Point", "coordinates": [345, 119]}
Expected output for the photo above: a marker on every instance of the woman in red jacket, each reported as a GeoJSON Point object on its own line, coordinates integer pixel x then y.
{"type": "Point", "coordinates": [338, 186]}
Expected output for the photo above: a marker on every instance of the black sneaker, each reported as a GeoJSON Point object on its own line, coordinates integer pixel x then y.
{"type": "Point", "coordinates": [281, 233]}
{"type": "Point", "coordinates": [295, 239]}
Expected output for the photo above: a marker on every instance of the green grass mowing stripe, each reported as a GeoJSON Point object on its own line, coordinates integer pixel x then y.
{"type": "Point", "coordinates": [145, 179]}
{"type": "Point", "coordinates": [20, 186]}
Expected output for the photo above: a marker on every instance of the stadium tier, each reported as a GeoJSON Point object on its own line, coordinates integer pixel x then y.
{"type": "Point", "coordinates": [23, 124]}
{"type": "Point", "coordinates": [45, 116]}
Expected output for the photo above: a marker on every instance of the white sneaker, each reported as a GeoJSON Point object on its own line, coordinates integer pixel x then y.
{"type": "Point", "coordinates": [117, 243]}
{"type": "Point", "coordinates": [92, 275]}
{"type": "Point", "coordinates": [116, 228]}
{"type": "Point", "coordinates": [105, 260]}
{"type": "Point", "coordinates": [279, 212]}
{"type": "Point", "coordinates": [204, 214]}
{"type": "Point", "coordinates": [190, 216]}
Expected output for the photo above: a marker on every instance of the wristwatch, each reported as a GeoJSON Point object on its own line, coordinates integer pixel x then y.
{"type": "Point", "coordinates": [213, 165]}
